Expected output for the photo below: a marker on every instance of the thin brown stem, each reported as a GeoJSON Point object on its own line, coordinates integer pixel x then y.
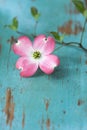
{"type": "Point", "coordinates": [81, 40]}
{"type": "Point", "coordinates": [19, 32]}
{"type": "Point", "coordinates": [8, 57]}
{"type": "Point", "coordinates": [83, 48]}
{"type": "Point", "coordinates": [35, 28]}
{"type": "Point", "coordinates": [76, 44]}
{"type": "Point", "coordinates": [58, 48]}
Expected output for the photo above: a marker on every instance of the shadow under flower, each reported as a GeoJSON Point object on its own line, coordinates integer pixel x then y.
{"type": "Point", "coordinates": [59, 73]}
{"type": "Point", "coordinates": [39, 73]}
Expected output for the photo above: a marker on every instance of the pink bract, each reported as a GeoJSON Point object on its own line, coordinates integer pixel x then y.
{"type": "Point", "coordinates": [34, 55]}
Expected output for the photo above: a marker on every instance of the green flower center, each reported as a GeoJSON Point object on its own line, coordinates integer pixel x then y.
{"type": "Point", "coordinates": [36, 55]}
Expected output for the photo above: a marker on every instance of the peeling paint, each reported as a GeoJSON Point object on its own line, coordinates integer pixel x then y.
{"type": "Point", "coordinates": [67, 28]}
{"type": "Point", "coordinates": [23, 119]}
{"type": "Point", "coordinates": [70, 9]}
{"type": "Point", "coordinates": [47, 103]}
{"type": "Point", "coordinates": [48, 123]}
{"type": "Point", "coordinates": [80, 102]}
{"type": "Point", "coordinates": [86, 62]}
{"type": "Point", "coordinates": [9, 107]}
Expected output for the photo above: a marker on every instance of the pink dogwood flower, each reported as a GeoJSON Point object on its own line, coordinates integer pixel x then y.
{"type": "Point", "coordinates": [34, 55]}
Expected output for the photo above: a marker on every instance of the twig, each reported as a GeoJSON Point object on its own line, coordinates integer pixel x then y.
{"type": "Point", "coordinates": [20, 33]}
{"type": "Point", "coordinates": [83, 31]}
{"type": "Point", "coordinates": [83, 48]}
{"type": "Point", "coordinates": [76, 44]}
{"type": "Point", "coordinates": [32, 35]}
{"type": "Point", "coordinates": [35, 28]}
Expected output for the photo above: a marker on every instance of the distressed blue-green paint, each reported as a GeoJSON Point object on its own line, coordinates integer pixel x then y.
{"type": "Point", "coordinates": [63, 88]}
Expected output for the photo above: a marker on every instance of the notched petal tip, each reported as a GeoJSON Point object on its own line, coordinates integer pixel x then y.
{"type": "Point", "coordinates": [20, 68]}
{"type": "Point", "coordinates": [45, 39]}
{"type": "Point", "coordinates": [26, 66]}
{"type": "Point", "coordinates": [23, 46]}
{"type": "Point", "coordinates": [44, 44]}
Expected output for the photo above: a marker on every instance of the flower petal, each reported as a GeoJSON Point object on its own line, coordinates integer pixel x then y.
{"type": "Point", "coordinates": [23, 46]}
{"type": "Point", "coordinates": [43, 44]}
{"type": "Point", "coordinates": [48, 64]}
{"type": "Point", "coordinates": [27, 67]}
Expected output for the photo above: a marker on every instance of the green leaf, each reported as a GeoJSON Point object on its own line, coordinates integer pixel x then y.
{"type": "Point", "coordinates": [85, 13]}
{"type": "Point", "coordinates": [37, 16]}
{"type": "Point", "coordinates": [35, 13]}
{"type": "Point", "coordinates": [79, 5]}
{"type": "Point", "coordinates": [56, 35]}
{"type": "Point", "coordinates": [13, 25]}
{"type": "Point", "coordinates": [15, 22]}
{"type": "Point", "coordinates": [62, 37]}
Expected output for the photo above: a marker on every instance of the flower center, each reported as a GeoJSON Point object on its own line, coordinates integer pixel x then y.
{"type": "Point", "coordinates": [36, 55]}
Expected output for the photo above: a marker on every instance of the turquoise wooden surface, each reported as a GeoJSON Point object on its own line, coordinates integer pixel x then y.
{"type": "Point", "coordinates": [54, 102]}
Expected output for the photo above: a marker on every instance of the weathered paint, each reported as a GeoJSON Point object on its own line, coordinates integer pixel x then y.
{"type": "Point", "coordinates": [9, 108]}
{"type": "Point", "coordinates": [68, 29]}
{"type": "Point", "coordinates": [54, 102]}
